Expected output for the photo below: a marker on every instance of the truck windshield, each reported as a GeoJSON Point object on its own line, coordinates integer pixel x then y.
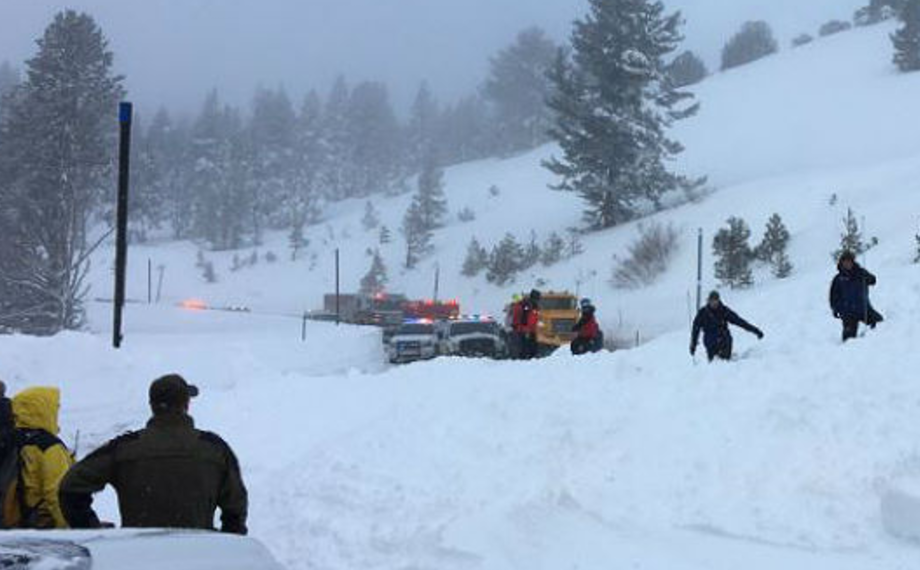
{"type": "Point", "coordinates": [416, 329]}
{"type": "Point", "coordinates": [472, 328]}
{"type": "Point", "coordinates": [558, 304]}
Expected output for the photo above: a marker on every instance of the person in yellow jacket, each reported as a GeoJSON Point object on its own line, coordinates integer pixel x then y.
{"type": "Point", "coordinates": [44, 458]}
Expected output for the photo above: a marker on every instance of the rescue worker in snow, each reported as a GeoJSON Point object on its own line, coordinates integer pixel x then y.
{"type": "Point", "coordinates": [589, 337]}
{"type": "Point", "coordinates": [849, 296]}
{"type": "Point", "coordinates": [526, 319]}
{"type": "Point", "coordinates": [713, 321]}
{"type": "Point", "coordinates": [44, 459]}
{"type": "Point", "coordinates": [169, 475]}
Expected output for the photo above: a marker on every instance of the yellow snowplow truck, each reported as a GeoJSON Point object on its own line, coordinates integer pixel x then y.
{"type": "Point", "coordinates": [558, 314]}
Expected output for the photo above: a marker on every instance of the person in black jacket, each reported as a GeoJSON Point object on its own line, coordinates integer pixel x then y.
{"type": "Point", "coordinates": [713, 321]}
{"type": "Point", "coordinates": [849, 296]}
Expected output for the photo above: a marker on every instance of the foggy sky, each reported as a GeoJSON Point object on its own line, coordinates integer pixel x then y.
{"type": "Point", "coordinates": [173, 51]}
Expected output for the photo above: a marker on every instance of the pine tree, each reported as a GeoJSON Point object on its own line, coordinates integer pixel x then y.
{"type": "Point", "coordinates": [273, 139]}
{"type": "Point", "coordinates": [374, 135]}
{"type": "Point", "coordinates": [553, 250]}
{"type": "Point", "coordinates": [772, 248]}
{"type": "Point", "coordinates": [56, 161]}
{"type": "Point", "coordinates": [385, 235]}
{"type": "Point", "coordinates": [775, 239]}
{"type": "Point", "coordinates": [753, 42]}
{"type": "Point", "coordinates": [613, 98]}
{"type": "Point", "coordinates": [422, 130]}
{"type": "Point", "coordinates": [9, 79]}
{"type": "Point", "coordinates": [296, 239]}
{"type": "Point", "coordinates": [417, 234]}
{"type": "Point", "coordinates": [223, 200]}
{"type": "Point", "coordinates": [505, 261]}
{"type": "Point", "coordinates": [309, 162]}
{"type": "Point", "coordinates": [687, 69]}
{"type": "Point", "coordinates": [852, 237]}
{"type": "Point", "coordinates": [518, 87]}
{"type": "Point", "coordinates": [907, 39]}
{"type": "Point", "coordinates": [734, 255]}
{"type": "Point", "coordinates": [371, 219]}
{"type": "Point", "coordinates": [532, 252]}
{"type": "Point", "coordinates": [781, 267]}
{"type": "Point", "coordinates": [575, 246]}
{"type": "Point", "coordinates": [477, 259]}
{"type": "Point", "coordinates": [917, 254]}
{"type": "Point", "coordinates": [338, 175]}
{"type": "Point", "coordinates": [432, 203]}
{"type": "Point", "coordinates": [375, 280]}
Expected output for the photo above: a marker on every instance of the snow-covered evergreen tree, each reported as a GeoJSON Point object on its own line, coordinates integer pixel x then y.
{"type": "Point", "coordinates": [9, 78]}
{"type": "Point", "coordinates": [375, 280]}
{"type": "Point", "coordinates": [223, 201]}
{"type": "Point", "coordinates": [309, 163]}
{"type": "Point", "coordinates": [775, 239]}
{"type": "Point", "coordinates": [477, 259]}
{"type": "Point", "coordinates": [733, 254]}
{"type": "Point", "coordinates": [465, 131]}
{"type": "Point", "coordinates": [386, 236]}
{"type": "Point", "coordinates": [421, 138]}
{"type": "Point", "coordinates": [614, 103]}
{"type": "Point", "coordinates": [532, 252]}
{"type": "Point", "coordinates": [917, 246]}
{"type": "Point", "coordinates": [430, 198]}
{"type": "Point", "coordinates": [772, 247]}
{"type": "Point", "coordinates": [505, 261]}
{"type": "Point", "coordinates": [56, 160]}
{"type": "Point", "coordinates": [781, 267]}
{"type": "Point", "coordinates": [518, 87]}
{"type": "Point", "coordinates": [575, 246]}
{"type": "Point", "coordinates": [375, 139]}
{"type": "Point", "coordinates": [687, 69]}
{"type": "Point", "coordinates": [371, 219]}
{"type": "Point", "coordinates": [753, 42]}
{"type": "Point", "coordinates": [273, 146]}
{"type": "Point", "coordinates": [852, 239]}
{"type": "Point", "coordinates": [553, 250]}
{"type": "Point", "coordinates": [338, 174]}
{"type": "Point", "coordinates": [417, 234]}
{"type": "Point", "coordinates": [907, 39]}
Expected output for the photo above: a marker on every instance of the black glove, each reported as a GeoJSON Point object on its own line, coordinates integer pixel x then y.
{"type": "Point", "coordinates": [759, 335]}
{"type": "Point", "coordinates": [692, 350]}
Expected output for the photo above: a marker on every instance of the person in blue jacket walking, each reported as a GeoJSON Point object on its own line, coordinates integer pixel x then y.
{"type": "Point", "coordinates": [849, 296]}
{"type": "Point", "coordinates": [713, 321]}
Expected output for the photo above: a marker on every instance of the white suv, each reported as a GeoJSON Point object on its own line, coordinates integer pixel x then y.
{"type": "Point", "coordinates": [413, 341]}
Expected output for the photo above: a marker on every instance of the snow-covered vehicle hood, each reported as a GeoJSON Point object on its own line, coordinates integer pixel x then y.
{"type": "Point", "coordinates": [132, 550]}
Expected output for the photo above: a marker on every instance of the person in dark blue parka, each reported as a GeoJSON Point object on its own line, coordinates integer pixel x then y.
{"type": "Point", "coordinates": [849, 296]}
{"type": "Point", "coordinates": [713, 321]}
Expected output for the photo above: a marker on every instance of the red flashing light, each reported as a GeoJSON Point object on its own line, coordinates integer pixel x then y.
{"type": "Point", "coordinates": [194, 305]}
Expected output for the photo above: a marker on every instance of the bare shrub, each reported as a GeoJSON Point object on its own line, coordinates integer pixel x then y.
{"type": "Point", "coordinates": [649, 257]}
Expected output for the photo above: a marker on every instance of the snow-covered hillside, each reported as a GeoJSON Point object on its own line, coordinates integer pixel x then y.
{"type": "Point", "coordinates": [636, 459]}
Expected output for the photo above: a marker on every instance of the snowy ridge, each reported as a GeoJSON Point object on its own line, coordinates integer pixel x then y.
{"type": "Point", "coordinates": [641, 458]}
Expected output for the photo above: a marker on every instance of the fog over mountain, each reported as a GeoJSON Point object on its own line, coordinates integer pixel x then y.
{"type": "Point", "coordinates": [175, 50]}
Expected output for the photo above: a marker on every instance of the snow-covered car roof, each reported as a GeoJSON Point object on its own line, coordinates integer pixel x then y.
{"type": "Point", "coordinates": [132, 549]}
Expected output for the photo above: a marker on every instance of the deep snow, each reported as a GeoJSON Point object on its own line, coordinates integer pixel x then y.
{"type": "Point", "coordinates": [641, 458]}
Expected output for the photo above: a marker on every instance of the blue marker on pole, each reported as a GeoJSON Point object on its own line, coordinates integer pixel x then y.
{"type": "Point", "coordinates": [125, 111]}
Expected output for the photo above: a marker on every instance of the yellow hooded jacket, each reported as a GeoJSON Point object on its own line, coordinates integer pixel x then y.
{"type": "Point", "coordinates": [45, 459]}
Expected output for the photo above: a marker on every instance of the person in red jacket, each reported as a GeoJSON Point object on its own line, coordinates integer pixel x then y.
{"type": "Point", "coordinates": [590, 338]}
{"type": "Point", "coordinates": [526, 319]}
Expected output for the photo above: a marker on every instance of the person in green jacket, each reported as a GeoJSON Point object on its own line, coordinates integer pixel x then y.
{"type": "Point", "coordinates": [168, 475]}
